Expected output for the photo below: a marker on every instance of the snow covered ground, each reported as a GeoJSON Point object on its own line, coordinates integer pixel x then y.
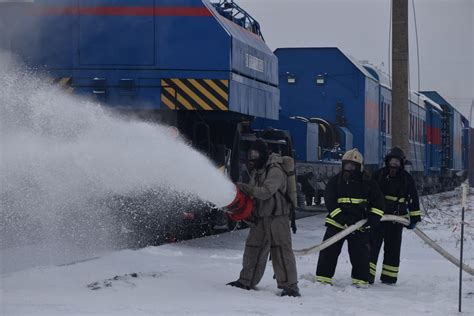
{"type": "Point", "coordinates": [190, 277]}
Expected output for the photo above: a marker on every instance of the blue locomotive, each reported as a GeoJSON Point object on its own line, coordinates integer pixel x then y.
{"type": "Point", "coordinates": [200, 66]}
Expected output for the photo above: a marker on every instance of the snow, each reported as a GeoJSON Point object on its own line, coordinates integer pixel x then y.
{"type": "Point", "coordinates": [190, 277]}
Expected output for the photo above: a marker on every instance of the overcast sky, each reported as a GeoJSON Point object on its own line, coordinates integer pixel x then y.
{"type": "Point", "coordinates": [361, 28]}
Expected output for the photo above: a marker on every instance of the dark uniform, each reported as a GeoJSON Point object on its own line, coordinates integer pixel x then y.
{"type": "Point", "coordinates": [401, 198]}
{"type": "Point", "coordinates": [350, 198]}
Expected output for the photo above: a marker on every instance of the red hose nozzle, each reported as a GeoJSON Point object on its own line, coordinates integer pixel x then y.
{"type": "Point", "coordinates": [240, 208]}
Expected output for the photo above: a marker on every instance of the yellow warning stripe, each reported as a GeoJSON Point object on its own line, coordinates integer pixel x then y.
{"type": "Point", "coordinates": [184, 102]}
{"type": "Point", "coordinates": [64, 81]}
{"type": "Point", "coordinates": [196, 94]}
{"type": "Point", "coordinates": [198, 86]}
{"type": "Point", "coordinates": [168, 102]}
{"type": "Point", "coordinates": [190, 93]}
{"type": "Point", "coordinates": [211, 84]}
{"type": "Point", "coordinates": [176, 97]}
{"type": "Point", "coordinates": [225, 83]}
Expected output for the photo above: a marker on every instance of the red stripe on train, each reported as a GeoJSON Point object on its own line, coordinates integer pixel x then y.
{"type": "Point", "coordinates": [126, 11]}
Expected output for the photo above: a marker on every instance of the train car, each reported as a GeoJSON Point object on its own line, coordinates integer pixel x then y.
{"type": "Point", "coordinates": [328, 87]}
{"type": "Point", "coordinates": [417, 122]}
{"type": "Point", "coordinates": [385, 106]}
{"type": "Point", "coordinates": [417, 136]}
{"type": "Point", "coordinates": [433, 149]}
{"type": "Point", "coordinates": [352, 100]}
{"type": "Point", "coordinates": [453, 142]}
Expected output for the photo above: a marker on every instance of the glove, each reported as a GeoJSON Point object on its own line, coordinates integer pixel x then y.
{"type": "Point", "coordinates": [413, 222]}
{"type": "Point", "coordinates": [293, 220]}
{"type": "Point", "coordinates": [372, 221]}
{"type": "Point", "coordinates": [344, 219]}
{"type": "Point", "coordinates": [246, 188]}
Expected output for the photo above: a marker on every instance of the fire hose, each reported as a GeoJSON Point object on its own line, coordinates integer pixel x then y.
{"type": "Point", "coordinates": [328, 242]}
{"type": "Point", "coordinates": [241, 208]}
{"type": "Point", "coordinates": [443, 252]}
{"type": "Point", "coordinates": [393, 218]}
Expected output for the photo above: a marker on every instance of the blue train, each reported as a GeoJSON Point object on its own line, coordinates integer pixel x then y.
{"type": "Point", "coordinates": [204, 67]}
{"type": "Point", "coordinates": [351, 102]}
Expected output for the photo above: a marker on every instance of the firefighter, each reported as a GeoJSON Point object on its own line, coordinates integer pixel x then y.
{"type": "Point", "coordinates": [350, 196]}
{"type": "Point", "coordinates": [401, 198]}
{"type": "Point", "coordinates": [269, 226]}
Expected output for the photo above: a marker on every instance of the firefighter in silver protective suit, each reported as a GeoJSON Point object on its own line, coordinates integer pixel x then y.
{"type": "Point", "coordinates": [269, 224]}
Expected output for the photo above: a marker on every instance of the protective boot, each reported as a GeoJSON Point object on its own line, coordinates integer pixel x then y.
{"type": "Point", "coordinates": [239, 285]}
{"type": "Point", "coordinates": [371, 279]}
{"type": "Point", "coordinates": [292, 292]}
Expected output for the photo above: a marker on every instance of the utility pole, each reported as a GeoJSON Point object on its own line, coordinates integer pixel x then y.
{"type": "Point", "coordinates": [400, 110]}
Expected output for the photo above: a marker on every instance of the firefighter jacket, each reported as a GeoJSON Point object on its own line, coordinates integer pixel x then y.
{"type": "Point", "coordinates": [401, 196]}
{"type": "Point", "coordinates": [268, 189]}
{"type": "Point", "coordinates": [352, 200]}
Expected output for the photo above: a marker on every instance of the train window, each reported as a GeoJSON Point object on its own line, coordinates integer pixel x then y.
{"type": "Point", "coordinates": [419, 130]}
{"type": "Point", "coordinates": [415, 128]}
{"type": "Point", "coordinates": [424, 131]}
{"type": "Point", "coordinates": [389, 118]}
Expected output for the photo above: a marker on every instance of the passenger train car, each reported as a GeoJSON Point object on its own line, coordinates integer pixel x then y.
{"type": "Point", "coordinates": [351, 102]}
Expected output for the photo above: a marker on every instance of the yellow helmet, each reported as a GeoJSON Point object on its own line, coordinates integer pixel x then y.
{"type": "Point", "coordinates": [353, 155]}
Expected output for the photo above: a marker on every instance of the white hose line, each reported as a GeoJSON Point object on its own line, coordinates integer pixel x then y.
{"type": "Point", "coordinates": [328, 242]}
{"type": "Point", "coordinates": [394, 218]}
{"type": "Point", "coordinates": [402, 220]}
{"type": "Point", "coordinates": [442, 252]}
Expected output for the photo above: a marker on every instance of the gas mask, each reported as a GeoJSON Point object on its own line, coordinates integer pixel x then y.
{"type": "Point", "coordinates": [254, 160]}
{"type": "Point", "coordinates": [349, 169]}
{"type": "Point", "coordinates": [394, 165]}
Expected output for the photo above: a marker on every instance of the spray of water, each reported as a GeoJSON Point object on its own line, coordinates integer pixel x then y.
{"type": "Point", "coordinates": [64, 159]}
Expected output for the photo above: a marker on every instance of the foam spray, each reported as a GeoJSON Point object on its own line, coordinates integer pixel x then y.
{"type": "Point", "coordinates": [64, 159]}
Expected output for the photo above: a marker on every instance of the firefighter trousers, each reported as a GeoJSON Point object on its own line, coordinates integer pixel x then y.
{"type": "Point", "coordinates": [390, 234]}
{"type": "Point", "coordinates": [358, 246]}
{"type": "Point", "coordinates": [270, 235]}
